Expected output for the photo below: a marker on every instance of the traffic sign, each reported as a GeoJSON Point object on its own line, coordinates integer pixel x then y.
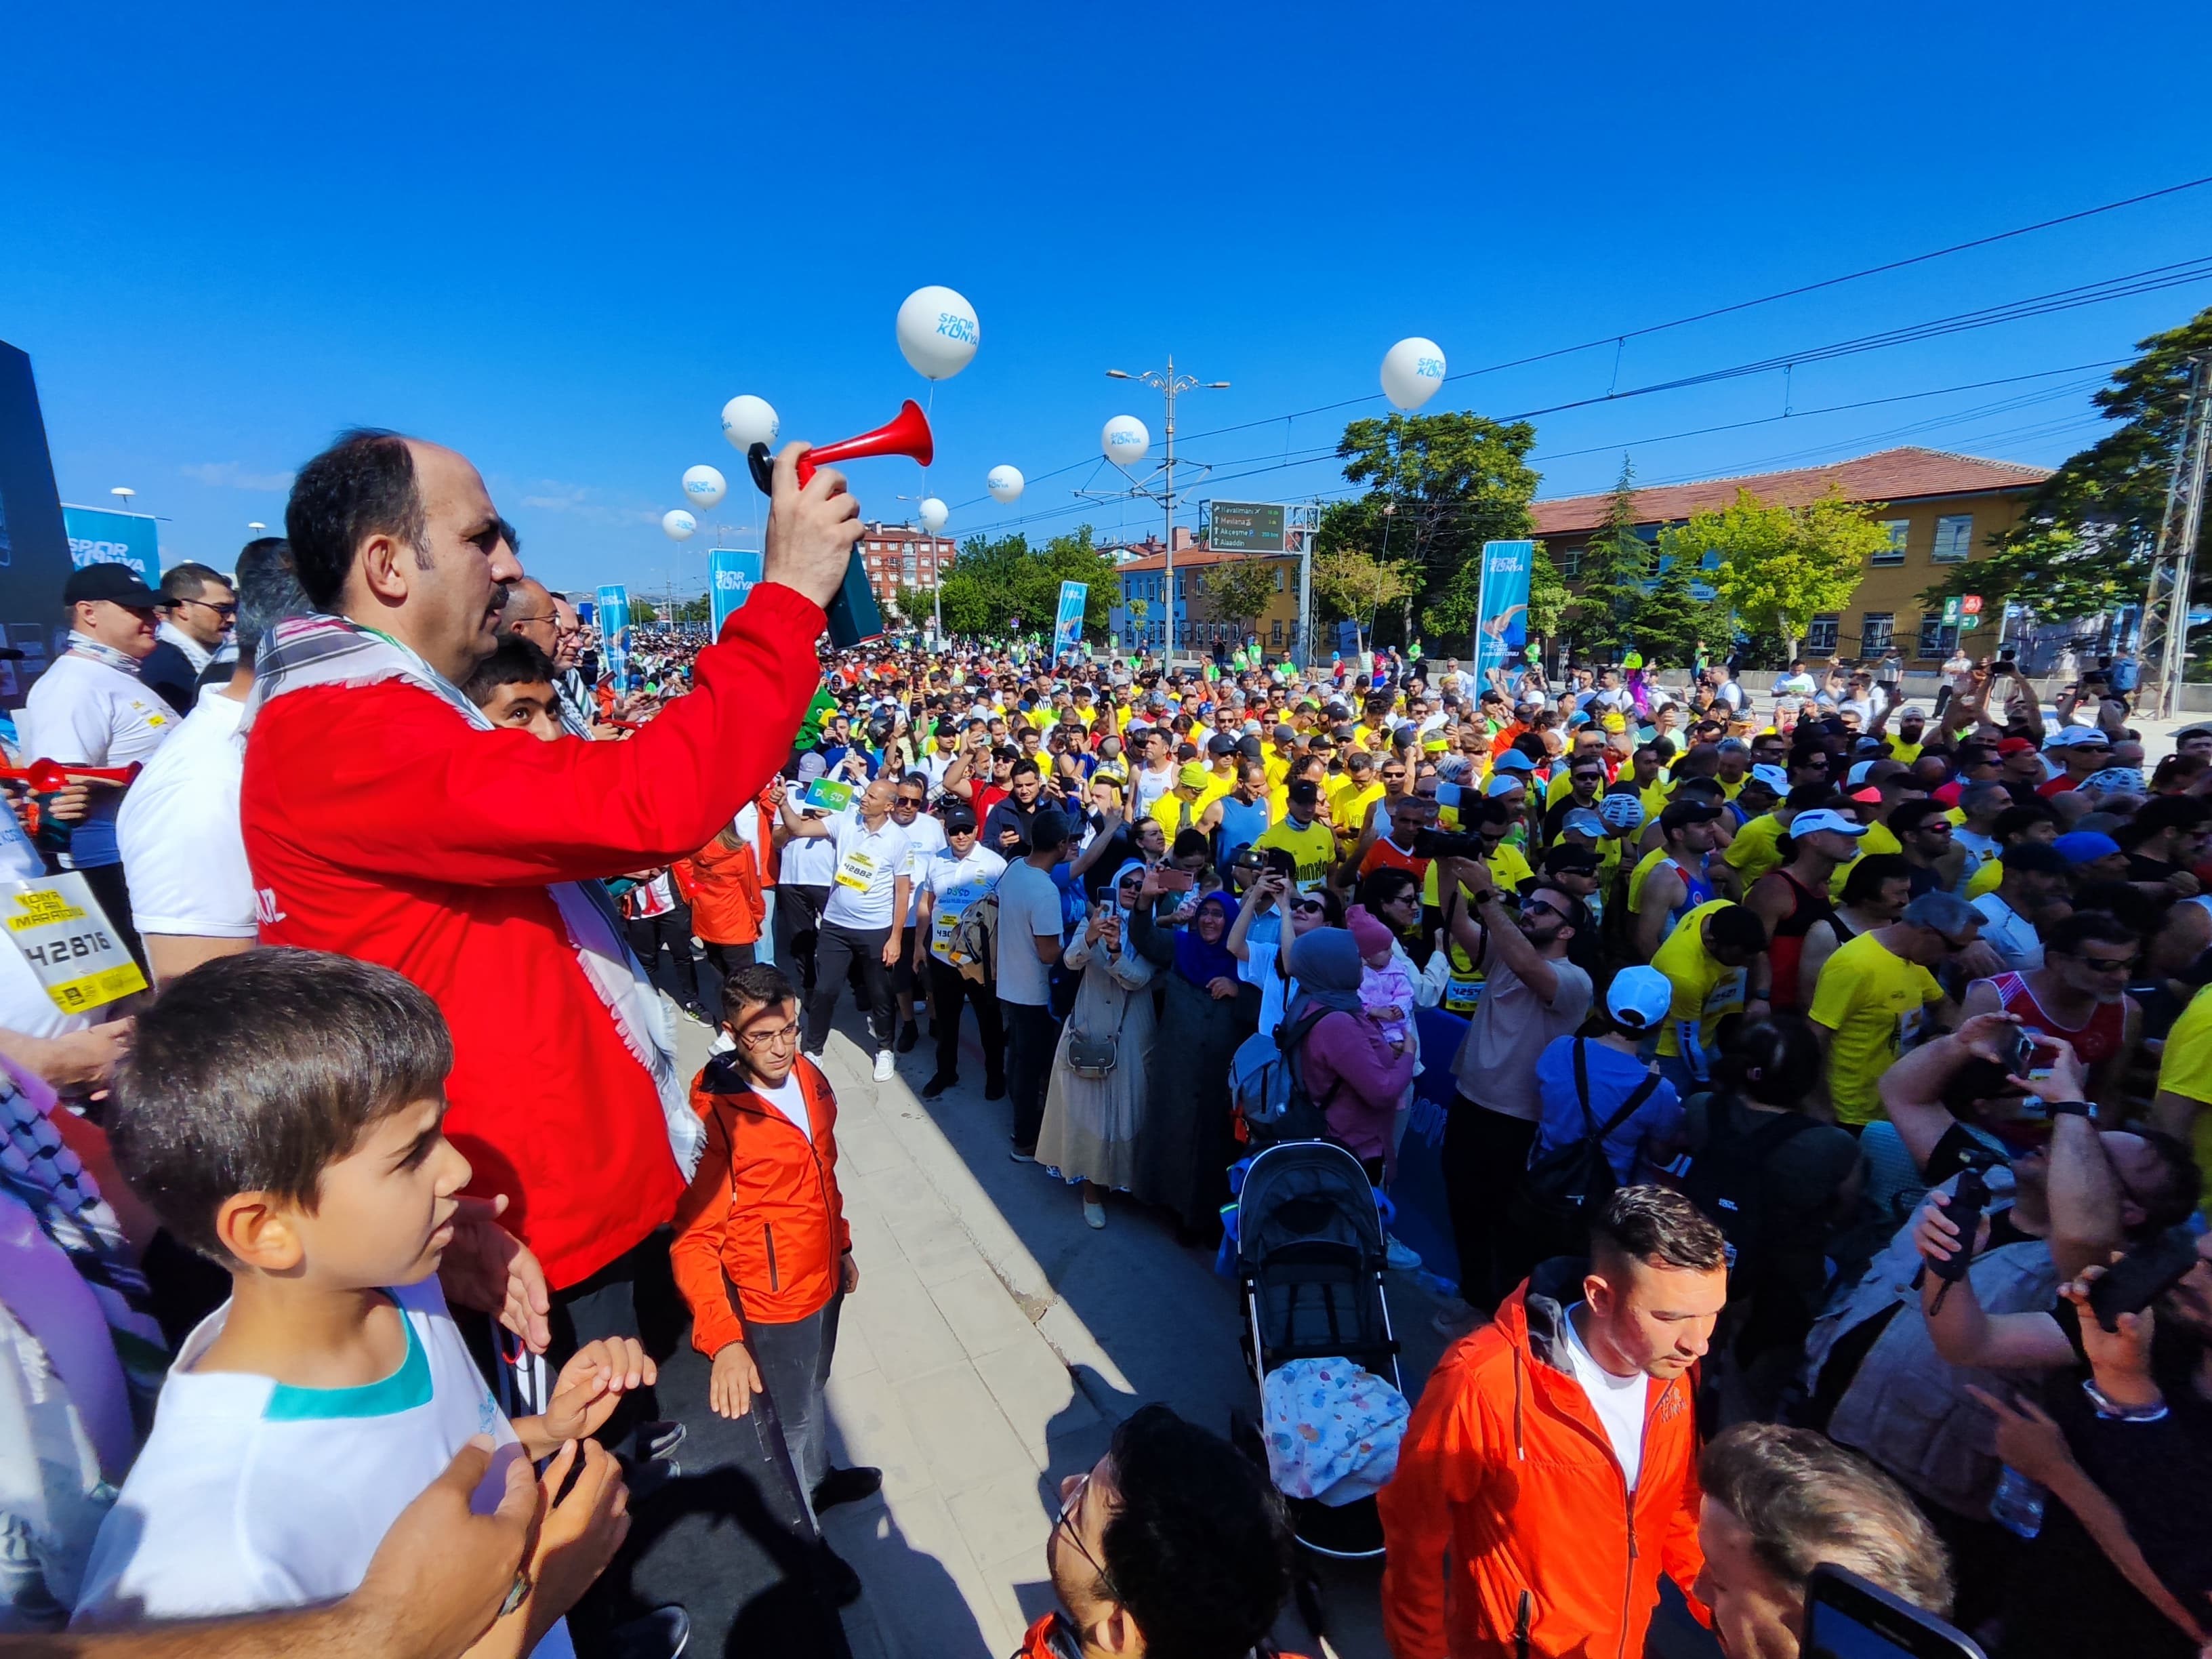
{"type": "Point", "coordinates": [1969, 622]}
{"type": "Point", "coordinates": [1971, 605]}
{"type": "Point", "coordinates": [1951, 612]}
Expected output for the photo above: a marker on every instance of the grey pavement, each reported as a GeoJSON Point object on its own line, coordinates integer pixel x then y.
{"type": "Point", "coordinates": [994, 1341]}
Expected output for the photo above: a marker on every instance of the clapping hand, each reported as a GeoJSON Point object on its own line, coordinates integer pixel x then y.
{"type": "Point", "coordinates": [591, 1384]}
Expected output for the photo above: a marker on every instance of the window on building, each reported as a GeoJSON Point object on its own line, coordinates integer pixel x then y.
{"type": "Point", "coordinates": [1279, 585]}
{"type": "Point", "coordinates": [1954, 538]}
{"type": "Point", "coordinates": [1571, 562]}
{"type": "Point", "coordinates": [1898, 529]}
{"type": "Point", "coordinates": [1936, 640]}
{"type": "Point", "coordinates": [1711, 560]}
{"type": "Point", "coordinates": [1877, 632]}
{"type": "Point", "coordinates": [1821, 635]}
{"type": "Point", "coordinates": [1275, 631]}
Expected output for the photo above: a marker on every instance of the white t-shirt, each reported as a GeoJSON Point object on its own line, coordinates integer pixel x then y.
{"type": "Point", "coordinates": [1029, 909]}
{"type": "Point", "coordinates": [955, 884]}
{"type": "Point", "coordinates": [790, 1099]}
{"type": "Point", "coordinates": [807, 861]}
{"type": "Point", "coordinates": [183, 853]}
{"type": "Point", "coordinates": [1150, 786]}
{"type": "Point", "coordinates": [869, 864]}
{"type": "Point", "coordinates": [2010, 933]}
{"type": "Point", "coordinates": [1618, 1401]}
{"type": "Point", "coordinates": [253, 1495]}
{"type": "Point", "coordinates": [925, 837]}
{"type": "Point", "coordinates": [85, 712]}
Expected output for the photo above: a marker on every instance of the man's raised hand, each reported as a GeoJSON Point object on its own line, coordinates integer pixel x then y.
{"type": "Point", "coordinates": [810, 532]}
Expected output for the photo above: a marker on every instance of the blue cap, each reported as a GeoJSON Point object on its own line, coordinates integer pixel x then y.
{"type": "Point", "coordinates": [1512, 761]}
{"type": "Point", "coordinates": [2084, 846]}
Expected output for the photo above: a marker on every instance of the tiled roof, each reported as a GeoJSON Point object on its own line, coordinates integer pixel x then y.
{"type": "Point", "coordinates": [1187, 556]}
{"type": "Point", "coordinates": [1888, 474]}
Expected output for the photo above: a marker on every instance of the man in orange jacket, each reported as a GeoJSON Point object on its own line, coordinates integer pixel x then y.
{"type": "Point", "coordinates": [763, 1254]}
{"type": "Point", "coordinates": [1550, 1473]}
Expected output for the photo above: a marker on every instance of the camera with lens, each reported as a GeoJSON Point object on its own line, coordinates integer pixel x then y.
{"type": "Point", "coordinates": [1436, 844]}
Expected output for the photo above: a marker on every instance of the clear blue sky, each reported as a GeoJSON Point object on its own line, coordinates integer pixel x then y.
{"type": "Point", "coordinates": [559, 237]}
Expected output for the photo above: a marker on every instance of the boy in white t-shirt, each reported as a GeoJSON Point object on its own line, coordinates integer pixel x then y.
{"type": "Point", "coordinates": [282, 1112]}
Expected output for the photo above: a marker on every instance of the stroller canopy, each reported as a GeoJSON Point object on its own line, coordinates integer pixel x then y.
{"type": "Point", "coordinates": [1305, 1191]}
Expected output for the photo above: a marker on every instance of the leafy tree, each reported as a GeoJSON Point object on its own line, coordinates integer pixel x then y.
{"type": "Point", "coordinates": [642, 610]}
{"type": "Point", "coordinates": [1780, 565]}
{"type": "Point", "coordinates": [1241, 592]}
{"type": "Point", "coordinates": [1671, 619]}
{"type": "Point", "coordinates": [695, 611]}
{"type": "Point", "coordinates": [1452, 481]}
{"type": "Point", "coordinates": [916, 605]}
{"type": "Point", "coordinates": [2085, 540]}
{"type": "Point", "coordinates": [1356, 586]}
{"type": "Point", "coordinates": [1615, 567]}
{"type": "Point", "coordinates": [992, 582]}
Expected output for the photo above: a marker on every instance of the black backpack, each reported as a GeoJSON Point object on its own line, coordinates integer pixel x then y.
{"type": "Point", "coordinates": [1727, 1181]}
{"type": "Point", "coordinates": [1558, 1194]}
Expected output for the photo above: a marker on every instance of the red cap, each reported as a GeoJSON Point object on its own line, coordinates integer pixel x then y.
{"type": "Point", "coordinates": [1870, 796]}
{"type": "Point", "coordinates": [2015, 746]}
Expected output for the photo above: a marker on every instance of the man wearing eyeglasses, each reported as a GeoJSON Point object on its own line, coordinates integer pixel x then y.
{"type": "Point", "coordinates": [762, 1254]}
{"type": "Point", "coordinates": [196, 610]}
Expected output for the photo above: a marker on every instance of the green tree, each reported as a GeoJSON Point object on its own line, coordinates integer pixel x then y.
{"type": "Point", "coordinates": [695, 611]}
{"type": "Point", "coordinates": [643, 610]}
{"type": "Point", "coordinates": [916, 605]}
{"type": "Point", "coordinates": [1453, 613]}
{"type": "Point", "coordinates": [1451, 482]}
{"type": "Point", "coordinates": [992, 582]}
{"type": "Point", "coordinates": [1615, 567]}
{"type": "Point", "coordinates": [1240, 592]}
{"type": "Point", "coordinates": [1671, 619]}
{"type": "Point", "coordinates": [1356, 586]}
{"type": "Point", "coordinates": [2085, 539]}
{"type": "Point", "coordinates": [1781, 565]}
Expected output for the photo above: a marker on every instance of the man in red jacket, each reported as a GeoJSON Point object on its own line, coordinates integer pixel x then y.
{"type": "Point", "coordinates": [1550, 1473]}
{"type": "Point", "coordinates": [385, 819]}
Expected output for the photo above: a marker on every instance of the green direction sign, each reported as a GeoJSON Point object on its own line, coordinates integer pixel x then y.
{"type": "Point", "coordinates": [1965, 623]}
{"type": "Point", "coordinates": [1951, 612]}
{"type": "Point", "coordinates": [1245, 527]}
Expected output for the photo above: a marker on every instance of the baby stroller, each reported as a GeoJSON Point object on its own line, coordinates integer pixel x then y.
{"type": "Point", "coordinates": [1310, 1256]}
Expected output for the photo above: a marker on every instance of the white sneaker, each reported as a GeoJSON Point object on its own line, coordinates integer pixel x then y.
{"type": "Point", "coordinates": [1403, 1257]}
{"type": "Point", "coordinates": [886, 1066]}
{"type": "Point", "coordinates": [1095, 1214]}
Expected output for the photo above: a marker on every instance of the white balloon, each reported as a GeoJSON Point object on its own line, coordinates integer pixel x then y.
{"type": "Point", "coordinates": [1125, 440]}
{"type": "Point", "coordinates": [704, 486]}
{"type": "Point", "coordinates": [1006, 483]}
{"type": "Point", "coordinates": [1413, 370]}
{"type": "Point", "coordinates": [933, 515]}
{"type": "Point", "coordinates": [679, 525]}
{"type": "Point", "coordinates": [938, 332]}
{"type": "Point", "coordinates": [747, 420]}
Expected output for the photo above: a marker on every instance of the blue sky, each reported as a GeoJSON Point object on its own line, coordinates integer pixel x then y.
{"type": "Point", "coordinates": [559, 237]}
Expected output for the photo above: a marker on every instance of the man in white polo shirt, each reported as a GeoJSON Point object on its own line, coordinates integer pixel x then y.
{"type": "Point", "coordinates": [92, 709]}
{"type": "Point", "coordinates": [184, 853]}
{"type": "Point", "coordinates": [860, 925]}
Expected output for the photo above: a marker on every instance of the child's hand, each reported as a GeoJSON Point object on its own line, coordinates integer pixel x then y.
{"type": "Point", "coordinates": [735, 1381]}
{"type": "Point", "coordinates": [581, 1534]}
{"type": "Point", "coordinates": [591, 1384]}
{"type": "Point", "coordinates": [1392, 1015]}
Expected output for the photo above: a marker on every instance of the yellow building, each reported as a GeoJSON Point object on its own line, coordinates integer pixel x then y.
{"type": "Point", "coordinates": [1941, 509]}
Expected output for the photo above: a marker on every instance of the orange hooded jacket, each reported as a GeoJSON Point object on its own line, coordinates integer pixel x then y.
{"type": "Point", "coordinates": [761, 1230]}
{"type": "Point", "coordinates": [1511, 1532]}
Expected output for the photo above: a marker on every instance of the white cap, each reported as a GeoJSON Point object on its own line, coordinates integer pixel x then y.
{"type": "Point", "coordinates": [1824, 817]}
{"type": "Point", "coordinates": [1639, 998]}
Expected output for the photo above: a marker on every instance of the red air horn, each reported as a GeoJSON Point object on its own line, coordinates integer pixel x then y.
{"type": "Point", "coordinates": [853, 616]}
{"type": "Point", "coordinates": [48, 777]}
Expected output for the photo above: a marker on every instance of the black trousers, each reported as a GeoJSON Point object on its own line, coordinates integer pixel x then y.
{"type": "Point", "coordinates": [840, 951]}
{"type": "Point", "coordinates": [1032, 1038]}
{"type": "Point", "coordinates": [663, 943]}
{"type": "Point", "coordinates": [794, 1367]}
{"type": "Point", "coordinates": [948, 989]}
{"type": "Point", "coordinates": [797, 922]}
{"type": "Point", "coordinates": [1484, 1155]}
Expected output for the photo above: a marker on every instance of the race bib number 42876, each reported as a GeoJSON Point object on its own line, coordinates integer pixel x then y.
{"type": "Point", "coordinates": [67, 941]}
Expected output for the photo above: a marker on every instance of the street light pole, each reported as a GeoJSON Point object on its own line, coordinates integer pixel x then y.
{"type": "Point", "coordinates": [1169, 386]}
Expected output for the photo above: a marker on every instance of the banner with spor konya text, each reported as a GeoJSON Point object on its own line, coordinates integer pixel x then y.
{"type": "Point", "coordinates": [1502, 611]}
{"type": "Point", "coordinates": [731, 577]}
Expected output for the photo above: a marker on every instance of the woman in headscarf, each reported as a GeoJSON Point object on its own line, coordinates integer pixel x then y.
{"type": "Point", "coordinates": [1190, 1136]}
{"type": "Point", "coordinates": [1354, 1073]}
{"type": "Point", "coordinates": [1094, 1106]}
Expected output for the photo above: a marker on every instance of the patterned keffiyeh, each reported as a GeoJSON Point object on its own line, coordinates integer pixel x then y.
{"type": "Point", "coordinates": [83, 645]}
{"type": "Point", "coordinates": [39, 1171]}
{"type": "Point", "coordinates": [321, 651]}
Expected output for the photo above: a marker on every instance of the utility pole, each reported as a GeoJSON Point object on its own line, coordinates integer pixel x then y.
{"type": "Point", "coordinates": [1169, 386]}
{"type": "Point", "coordinates": [2162, 641]}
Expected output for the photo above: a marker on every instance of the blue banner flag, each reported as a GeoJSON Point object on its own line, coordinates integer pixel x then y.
{"type": "Point", "coordinates": [1502, 621]}
{"type": "Point", "coordinates": [731, 577]}
{"type": "Point", "coordinates": [97, 535]}
{"type": "Point", "coordinates": [614, 636]}
{"type": "Point", "coordinates": [1067, 625]}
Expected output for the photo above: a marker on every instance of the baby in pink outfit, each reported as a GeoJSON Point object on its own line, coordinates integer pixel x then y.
{"type": "Point", "coordinates": [1386, 989]}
